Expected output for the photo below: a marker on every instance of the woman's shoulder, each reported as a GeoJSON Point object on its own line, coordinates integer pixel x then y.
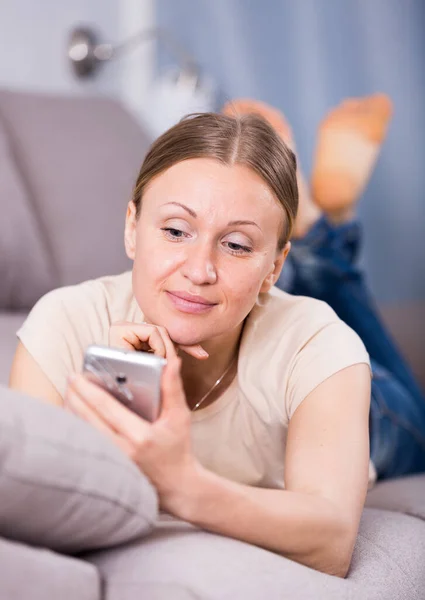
{"type": "Point", "coordinates": [66, 320]}
{"type": "Point", "coordinates": [278, 327]}
{"type": "Point", "coordinates": [83, 311]}
{"type": "Point", "coordinates": [277, 298]}
{"type": "Point", "coordinates": [291, 344]}
{"type": "Point", "coordinates": [102, 295]}
{"type": "Point", "coordinates": [297, 318]}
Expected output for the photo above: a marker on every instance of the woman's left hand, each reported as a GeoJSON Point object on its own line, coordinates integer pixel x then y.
{"type": "Point", "coordinates": [162, 449]}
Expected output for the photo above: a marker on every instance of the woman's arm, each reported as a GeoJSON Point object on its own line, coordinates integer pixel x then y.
{"type": "Point", "coordinates": [315, 520]}
{"type": "Point", "coordinates": [26, 376]}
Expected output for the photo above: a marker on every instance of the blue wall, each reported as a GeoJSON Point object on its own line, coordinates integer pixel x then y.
{"type": "Point", "coordinates": [304, 56]}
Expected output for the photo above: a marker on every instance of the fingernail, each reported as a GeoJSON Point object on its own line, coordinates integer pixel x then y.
{"type": "Point", "coordinates": [202, 352]}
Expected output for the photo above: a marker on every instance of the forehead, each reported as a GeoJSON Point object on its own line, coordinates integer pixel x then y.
{"type": "Point", "coordinates": [206, 181]}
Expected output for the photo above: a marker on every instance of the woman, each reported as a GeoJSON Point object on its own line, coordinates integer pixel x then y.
{"type": "Point", "coordinates": [263, 434]}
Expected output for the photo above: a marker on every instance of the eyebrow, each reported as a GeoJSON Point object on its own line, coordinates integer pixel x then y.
{"type": "Point", "coordinates": [194, 215]}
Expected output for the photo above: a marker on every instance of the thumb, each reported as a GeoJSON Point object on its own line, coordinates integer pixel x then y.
{"type": "Point", "coordinates": [172, 392]}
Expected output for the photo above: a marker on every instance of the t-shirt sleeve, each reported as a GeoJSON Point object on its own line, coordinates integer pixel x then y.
{"type": "Point", "coordinates": [59, 328]}
{"type": "Point", "coordinates": [333, 348]}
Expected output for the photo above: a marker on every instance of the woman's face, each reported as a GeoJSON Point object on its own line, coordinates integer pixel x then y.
{"type": "Point", "coordinates": [204, 246]}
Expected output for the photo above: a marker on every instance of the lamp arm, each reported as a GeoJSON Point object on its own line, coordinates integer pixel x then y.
{"type": "Point", "coordinates": [86, 53]}
{"type": "Point", "coordinates": [161, 35]}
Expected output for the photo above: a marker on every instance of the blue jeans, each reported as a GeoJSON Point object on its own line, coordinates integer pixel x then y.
{"type": "Point", "coordinates": [323, 265]}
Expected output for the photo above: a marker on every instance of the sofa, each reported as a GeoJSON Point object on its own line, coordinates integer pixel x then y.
{"type": "Point", "coordinates": [77, 521]}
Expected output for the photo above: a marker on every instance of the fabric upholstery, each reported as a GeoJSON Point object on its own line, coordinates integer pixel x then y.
{"type": "Point", "coordinates": [405, 495]}
{"type": "Point", "coordinates": [389, 557]}
{"type": "Point", "coordinates": [9, 325]}
{"type": "Point", "coordinates": [79, 158]}
{"type": "Point", "coordinates": [28, 573]}
{"type": "Point", "coordinates": [63, 484]}
{"type": "Point", "coordinates": [25, 268]}
{"type": "Point", "coordinates": [387, 563]}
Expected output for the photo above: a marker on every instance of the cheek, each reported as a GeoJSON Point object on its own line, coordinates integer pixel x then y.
{"type": "Point", "coordinates": [245, 282]}
{"type": "Point", "coordinates": [153, 262]}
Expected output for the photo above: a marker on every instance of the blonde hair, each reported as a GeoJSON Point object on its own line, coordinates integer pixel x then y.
{"type": "Point", "coordinates": [246, 140]}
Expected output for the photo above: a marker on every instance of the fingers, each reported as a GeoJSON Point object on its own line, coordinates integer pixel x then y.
{"type": "Point", "coordinates": [170, 350]}
{"type": "Point", "coordinates": [137, 336]}
{"type": "Point", "coordinates": [196, 351]}
{"type": "Point", "coordinates": [149, 337]}
{"type": "Point", "coordinates": [75, 404]}
{"type": "Point", "coordinates": [95, 404]}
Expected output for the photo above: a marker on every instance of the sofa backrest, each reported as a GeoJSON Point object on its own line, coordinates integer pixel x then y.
{"type": "Point", "coordinates": [68, 165]}
{"type": "Point", "coordinates": [25, 266]}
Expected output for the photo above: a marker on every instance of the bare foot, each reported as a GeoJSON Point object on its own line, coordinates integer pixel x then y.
{"type": "Point", "coordinates": [308, 212]}
{"type": "Point", "coordinates": [349, 141]}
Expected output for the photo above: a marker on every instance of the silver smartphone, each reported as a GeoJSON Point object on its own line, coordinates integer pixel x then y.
{"type": "Point", "coordinates": [132, 377]}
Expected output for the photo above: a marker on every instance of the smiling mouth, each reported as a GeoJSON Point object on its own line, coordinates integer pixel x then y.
{"type": "Point", "coordinates": [185, 304]}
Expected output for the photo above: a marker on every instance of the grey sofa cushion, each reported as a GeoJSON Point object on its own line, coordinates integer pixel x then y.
{"type": "Point", "coordinates": [389, 557]}
{"type": "Point", "coordinates": [26, 272]}
{"type": "Point", "coordinates": [63, 484]}
{"type": "Point", "coordinates": [28, 573]}
{"type": "Point", "coordinates": [387, 563]}
{"type": "Point", "coordinates": [10, 322]}
{"type": "Point", "coordinates": [404, 494]}
{"type": "Point", "coordinates": [80, 157]}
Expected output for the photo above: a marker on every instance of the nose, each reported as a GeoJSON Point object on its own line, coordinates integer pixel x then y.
{"type": "Point", "coordinates": [199, 266]}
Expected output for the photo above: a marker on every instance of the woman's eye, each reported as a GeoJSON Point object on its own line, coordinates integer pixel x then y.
{"type": "Point", "coordinates": [238, 248]}
{"type": "Point", "coordinates": [173, 233]}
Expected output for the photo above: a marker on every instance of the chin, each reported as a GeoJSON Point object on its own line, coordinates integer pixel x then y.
{"type": "Point", "coordinates": [185, 332]}
{"type": "Point", "coordinates": [185, 336]}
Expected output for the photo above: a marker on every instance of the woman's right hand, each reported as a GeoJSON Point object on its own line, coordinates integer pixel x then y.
{"type": "Point", "coordinates": [149, 338]}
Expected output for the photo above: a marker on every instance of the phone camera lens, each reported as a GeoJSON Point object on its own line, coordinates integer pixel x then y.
{"type": "Point", "coordinates": [121, 379]}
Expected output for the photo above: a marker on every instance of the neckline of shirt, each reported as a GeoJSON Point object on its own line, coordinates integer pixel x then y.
{"type": "Point", "coordinates": [222, 401]}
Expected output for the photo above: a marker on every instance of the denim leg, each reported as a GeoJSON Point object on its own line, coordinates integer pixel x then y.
{"type": "Point", "coordinates": [396, 427]}
{"type": "Point", "coordinates": [322, 265]}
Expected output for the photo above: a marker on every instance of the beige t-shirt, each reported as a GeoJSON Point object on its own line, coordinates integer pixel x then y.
{"type": "Point", "coordinates": [290, 344]}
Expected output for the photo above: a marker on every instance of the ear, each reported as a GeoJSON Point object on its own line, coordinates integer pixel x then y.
{"type": "Point", "coordinates": [273, 275]}
{"type": "Point", "coordinates": [130, 230]}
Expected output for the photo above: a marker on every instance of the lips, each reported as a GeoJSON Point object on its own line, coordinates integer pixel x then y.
{"type": "Point", "coordinates": [192, 298]}
{"type": "Point", "coordinates": [190, 303]}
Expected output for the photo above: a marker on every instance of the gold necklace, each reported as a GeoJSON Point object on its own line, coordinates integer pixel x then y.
{"type": "Point", "coordinates": [219, 380]}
